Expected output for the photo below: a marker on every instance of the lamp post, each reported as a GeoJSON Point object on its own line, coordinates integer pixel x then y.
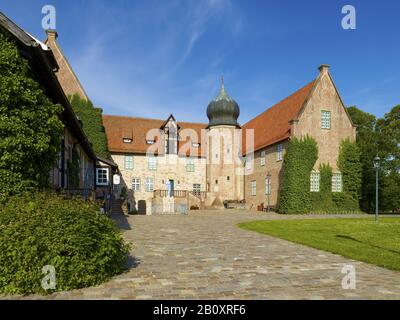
{"type": "Point", "coordinates": [377, 161]}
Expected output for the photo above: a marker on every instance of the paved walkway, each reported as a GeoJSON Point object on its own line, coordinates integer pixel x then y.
{"type": "Point", "coordinates": [205, 256]}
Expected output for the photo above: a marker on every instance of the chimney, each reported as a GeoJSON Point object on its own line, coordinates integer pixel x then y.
{"type": "Point", "coordinates": [323, 68]}
{"type": "Point", "coordinates": [52, 35]}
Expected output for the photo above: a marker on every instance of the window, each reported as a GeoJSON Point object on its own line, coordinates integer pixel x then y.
{"type": "Point", "coordinates": [152, 162]}
{"type": "Point", "coordinates": [228, 178]}
{"type": "Point", "coordinates": [102, 176]}
{"type": "Point", "coordinates": [195, 144]}
{"type": "Point", "coordinates": [262, 158]}
{"type": "Point", "coordinates": [128, 162]}
{"type": "Point", "coordinates": [248, 163]}
{"type": "Point", "coordinates": [190, 165]}
{"type": "Point", "coordinates": [136, 184]}
{"type": "Point", "coordinates": [253, 188]}
{"type": "Point", "coordinates": [268, 185]}
{"type": "Point", "coordinates": [127, 140]}
{"type": "Point", "coordinates": [149, 185]}
{"type": "Point", "coordinates": [337, 182]}
{"type": "Point", "coordinates": [279, 150]}
{"type": "Point", "coordinates": [150, 141]}
{"type": "Point", "coordinates": [314, 181]}
{"type": "Point", "coordinates": [196, 189]}
{"type": "Point", "coordinates": [325, 119]}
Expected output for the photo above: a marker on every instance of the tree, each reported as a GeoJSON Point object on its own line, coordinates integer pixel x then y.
{"type": "Point", "coordinates": [389, 130]}
{"type": "Point", "coordinates": [92, 121]}
{"type": "Point", "coordinates": [30, 127]}
{"type": "Point", "coordinates": [368, 143]}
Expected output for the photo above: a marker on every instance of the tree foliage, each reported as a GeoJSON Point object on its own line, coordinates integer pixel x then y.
{"type": "Point", "coordinates": [379, 137]}
{"type": "Point", "coordinates": [92, 121]}
{"type": "Point", "coordinates": [30, 127]}
{"type": "Point", "coordinates": [299, 160]}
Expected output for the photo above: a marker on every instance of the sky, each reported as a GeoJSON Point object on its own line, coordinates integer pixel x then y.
{"type": "Point", "coordinates": [154, 58]}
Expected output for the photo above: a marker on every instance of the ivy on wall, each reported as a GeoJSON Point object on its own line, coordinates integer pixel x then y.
{"type": "Point", "coordinates": [298, 162]}
{"type": "Point", "coordinates": [30, 127]}
{"type": "Point", "coordinates": [349, 164]}
{"type": "Point", "coordinates": [73, 169]}
{"type": "Point", "coordinates": [92, 121]}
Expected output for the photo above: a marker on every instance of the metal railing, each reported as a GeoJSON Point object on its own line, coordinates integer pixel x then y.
{"type": "Point", "coordinates": [168, 193]}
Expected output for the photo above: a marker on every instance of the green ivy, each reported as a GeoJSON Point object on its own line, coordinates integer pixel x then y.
{"type": "Point", "coordinates": [349, 164]}
{"type": "Point", "coordinates": [30, 127]}
{"type": "Point", "coordinates": [92, 121]}
{"type": "Point", "coordinates": [299, 160]}
{"type": "Point", "coordinates": [322, 201]}
{"type": "Point", "coordinates": [73, 169]}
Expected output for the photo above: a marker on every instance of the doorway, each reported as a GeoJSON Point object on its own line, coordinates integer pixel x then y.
{"type": "Point", "coordinates": [171, 189]}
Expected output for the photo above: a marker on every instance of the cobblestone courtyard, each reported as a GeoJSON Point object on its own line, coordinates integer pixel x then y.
{"type": "Point", "coordinates": [205, 256]}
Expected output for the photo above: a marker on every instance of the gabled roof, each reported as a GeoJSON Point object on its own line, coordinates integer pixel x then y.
{"type": "Point", "coordinates": [273, 125]}
{"type": "Point", "coordinates": [117, 126]}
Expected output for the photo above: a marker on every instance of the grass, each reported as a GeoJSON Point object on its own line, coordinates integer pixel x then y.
{"type": "Point", "coordinates": [358, 239]}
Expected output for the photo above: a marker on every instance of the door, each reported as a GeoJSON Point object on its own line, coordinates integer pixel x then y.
{"type": "Point", "coordinates": [171, 188]}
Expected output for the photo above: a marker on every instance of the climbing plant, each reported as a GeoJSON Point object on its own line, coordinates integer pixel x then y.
{"type": "Point", "coordinates": [30, 127]}
{"type": "Point", "coordinates": [299, 160]}
{"type": "Point", "coordinates": [92, 121]}
{"type": "Point", "coordinates": [73, 169]}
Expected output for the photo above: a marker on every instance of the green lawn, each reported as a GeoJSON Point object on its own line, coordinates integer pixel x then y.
{"type": "Point", "coordinates": [359, 239]}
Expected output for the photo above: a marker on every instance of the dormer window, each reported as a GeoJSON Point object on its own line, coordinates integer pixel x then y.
{"type": "Point", "coordinates": [127, 140]}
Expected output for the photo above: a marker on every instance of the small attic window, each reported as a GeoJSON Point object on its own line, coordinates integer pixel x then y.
{"type": "Point", "coordinates": [150, 141]}
{"type": "Point", "coordinates": [195, 144]}
{"type": "Point", "coordinates": [127, 140]}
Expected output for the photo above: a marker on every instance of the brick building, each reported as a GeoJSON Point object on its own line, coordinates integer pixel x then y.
{"type": "Point", "coordinates": [169, 166]}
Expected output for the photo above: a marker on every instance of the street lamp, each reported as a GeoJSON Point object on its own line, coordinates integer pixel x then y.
{"type": "Point", "coordinates": [377, 161]}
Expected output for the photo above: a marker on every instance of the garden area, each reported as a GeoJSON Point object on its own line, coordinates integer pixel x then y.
{"type": "Point", "coordinates": [361, 239]}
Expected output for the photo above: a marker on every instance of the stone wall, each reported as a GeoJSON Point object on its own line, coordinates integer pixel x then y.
{"type": "Point", "coordinates": [169, 167]}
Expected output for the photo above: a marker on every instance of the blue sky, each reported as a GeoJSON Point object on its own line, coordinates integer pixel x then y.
{"type": "Point", "coordinates": [153, 58]}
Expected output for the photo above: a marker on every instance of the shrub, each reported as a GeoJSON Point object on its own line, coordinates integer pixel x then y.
{"type": "Point", "coordinates": [322, 200]}
{"type": "Point", "coordinates": [42, 229]}
{"type": "Point", "coordinates": [299, 160]}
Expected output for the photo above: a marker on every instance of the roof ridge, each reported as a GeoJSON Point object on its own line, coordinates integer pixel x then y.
{"type": "Point", "coordinates": [150, 119]}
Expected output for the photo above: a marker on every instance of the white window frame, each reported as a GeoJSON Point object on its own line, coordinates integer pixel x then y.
{"type": "Point", "coordinates": [128, 165]}
{"type": "Point", "coordinates": [136, 184]}
{"type": "Point", "coordinates": [337, 182]}
{"type": "Point", "coordinates": [262, 158]}
{"type": "Point", "coordinates": [152, 163]}
{"type": "Point", "coordinates": [279, 152]}
{"type": "Point", "coordinates": [268, 185]}
{"type": "Point", "coordinates": [149, 185]}
{"type": "Point", "coordinates": [98, 175]}
{"type": "Point", "coordinates": [190, 165]}
{"type": "Point", "coordinates": [325, 119]}
{"type": "Point", "coordinates": [315, 179]}
{"type": "Point", "coordinates": [253, 188]}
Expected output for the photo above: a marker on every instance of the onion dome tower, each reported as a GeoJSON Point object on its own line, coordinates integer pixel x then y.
{"type": "Point", "coordinates": [223, 110]}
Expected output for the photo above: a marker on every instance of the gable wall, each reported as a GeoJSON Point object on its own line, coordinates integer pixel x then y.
{"type": "Point", "coordinates": [326, 98]}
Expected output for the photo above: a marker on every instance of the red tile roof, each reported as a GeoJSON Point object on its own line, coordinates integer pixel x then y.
{"type": "Point", "coordinates": [119, 127]}
{"type": "Point", "coordinates": [272, 125]}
